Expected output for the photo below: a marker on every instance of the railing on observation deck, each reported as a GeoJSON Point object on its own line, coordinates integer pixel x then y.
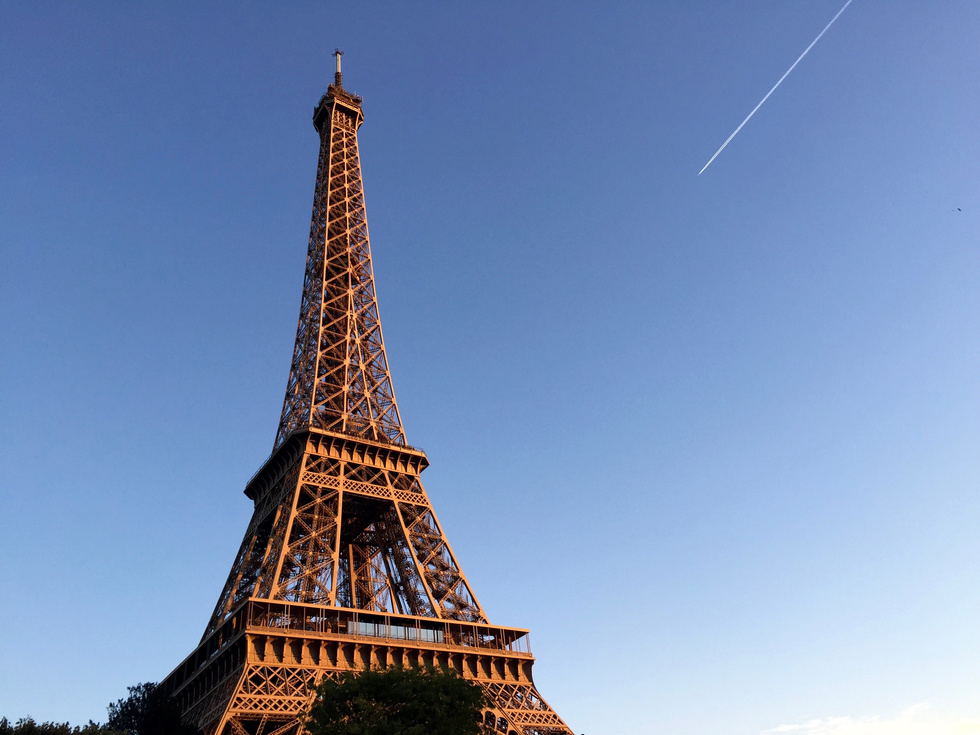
{"type": "Point", "coordinates": [258, 615]}
{"type": "Point", "coordinates": [363, 624]}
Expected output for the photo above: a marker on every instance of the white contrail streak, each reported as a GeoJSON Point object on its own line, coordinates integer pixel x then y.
{"type": "Point", "coordinates": [775, 85]}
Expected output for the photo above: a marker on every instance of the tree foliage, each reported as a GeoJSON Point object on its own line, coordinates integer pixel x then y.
{"type": "Point", "coordinates": [27, 726]}
{"type": "Point", "coordinates": [147, 711]}
{"type": "Point", "coordinates": [397, 701]}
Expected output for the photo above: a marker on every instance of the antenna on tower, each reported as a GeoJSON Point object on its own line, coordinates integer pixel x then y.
{"type": "Point", "coordinates": [336, 77]}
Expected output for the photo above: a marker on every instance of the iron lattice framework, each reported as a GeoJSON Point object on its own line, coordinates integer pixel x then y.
{"type": "Point", "coordinates": [344, 565]}
{"type": "Point", "coordinates": [339, 377]}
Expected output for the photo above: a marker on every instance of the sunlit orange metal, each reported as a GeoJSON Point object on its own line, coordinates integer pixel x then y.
{"type": "Point", "coordinates": [344, 565]}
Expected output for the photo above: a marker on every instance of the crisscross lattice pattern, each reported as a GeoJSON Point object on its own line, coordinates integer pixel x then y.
{"type": "Point", "coordinates": [337, 532]}
{"type": "Point", "coordinates": [339, 378]}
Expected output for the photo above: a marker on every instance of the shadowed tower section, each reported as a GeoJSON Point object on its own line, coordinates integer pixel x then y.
{"type": "Point", "coordinates": [344, 565]}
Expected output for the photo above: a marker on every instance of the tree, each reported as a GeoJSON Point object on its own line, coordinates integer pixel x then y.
{"type": "Point", "coordinates": [397, 701]}
{"type": "Point", "coordinates": [27, 726]}
{"type": "Point", "coordinates": [147, 711]}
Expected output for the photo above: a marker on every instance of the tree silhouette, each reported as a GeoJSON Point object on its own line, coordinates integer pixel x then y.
{"type": "Point", "coordinates": [146, 711]}
{"type": "Point", "coordinates": [397, 701]}
{"type": "Point", "coordinates": [27, 726]}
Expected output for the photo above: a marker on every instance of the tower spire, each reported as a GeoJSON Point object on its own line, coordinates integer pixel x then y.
{"type": "Point", "coordinates": [337, 76]}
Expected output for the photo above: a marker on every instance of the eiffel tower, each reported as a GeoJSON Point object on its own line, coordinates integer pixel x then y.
{"type": "Point", "coordinates": [344, 565]}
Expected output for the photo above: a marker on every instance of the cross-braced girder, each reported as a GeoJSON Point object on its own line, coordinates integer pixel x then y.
{"type": "Point", "coordinates": [339, 378]}
{"type": "Point", "coordinates": [339, 531]}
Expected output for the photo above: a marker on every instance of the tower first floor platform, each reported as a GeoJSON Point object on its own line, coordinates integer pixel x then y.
{"type": "Point", "coordinates": [256, 674]}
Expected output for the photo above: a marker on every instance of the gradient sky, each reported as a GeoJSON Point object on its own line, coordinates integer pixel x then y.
{"type": "Point", "coordinates": [712, 439]}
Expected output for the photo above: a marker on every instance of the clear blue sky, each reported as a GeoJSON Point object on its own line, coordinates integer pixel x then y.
{"type": "Point", "coordinates": [712, 439]}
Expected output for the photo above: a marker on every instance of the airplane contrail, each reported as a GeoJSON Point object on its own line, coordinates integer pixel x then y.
{"type": "Point", "coordinates": [776, 85]}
